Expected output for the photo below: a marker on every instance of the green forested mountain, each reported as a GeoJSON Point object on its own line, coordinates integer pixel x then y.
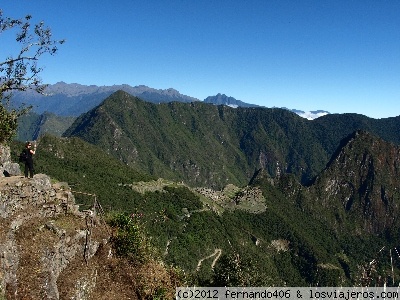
{"type": "Point", "coordinates": [313, 202]}
{"type": "Point", "coordinates": [208, 145]}
{"type": "Point", "coordinates": [326, 233]}
{"type": "Point", "coordinates": [329, 193]}
{"type": "Point", "coordinates": [33, 125]}
{"type": "Point", "coordinates": [359, 189]}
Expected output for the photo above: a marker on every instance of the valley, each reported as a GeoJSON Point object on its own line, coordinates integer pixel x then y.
{"type": "Point", "coordinates": [285, 200]}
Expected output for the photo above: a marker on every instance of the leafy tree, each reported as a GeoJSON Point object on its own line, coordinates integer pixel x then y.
{"type": "Point", "coordinates": [237, 269]}
{"type": "Point", "coordinates": [8, 123]}
{"type": "Point", "coordinates": [21, 72]}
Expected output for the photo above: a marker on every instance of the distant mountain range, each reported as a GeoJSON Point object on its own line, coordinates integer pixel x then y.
{"type": "Point", "coordinates": [74, 99]}
{"type": "Point", "coordinates": [221, 99]}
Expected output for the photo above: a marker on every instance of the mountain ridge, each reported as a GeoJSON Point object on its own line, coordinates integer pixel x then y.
{"type": "Point", "coordinates": [304, 237]}
{"type": "Point", "coordinates": [169, 138]}
{"type": "Point", "coordinates": [74, 99]}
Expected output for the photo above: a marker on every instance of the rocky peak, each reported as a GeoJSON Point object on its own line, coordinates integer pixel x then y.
{"type": "Point", "coordinates": [226, 100]}
{"type": "Point", "coordinates": [363, 179]}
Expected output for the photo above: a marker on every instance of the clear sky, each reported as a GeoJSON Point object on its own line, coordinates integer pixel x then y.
{"type": "Point", "coordinates": [339, 56]}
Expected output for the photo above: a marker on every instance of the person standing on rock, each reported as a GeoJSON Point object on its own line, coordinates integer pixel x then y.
{"type": "Point", "coordinates": [29, 159]}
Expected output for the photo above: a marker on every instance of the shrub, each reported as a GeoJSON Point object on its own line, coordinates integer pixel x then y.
{"type": "Point", "coordinates": [130, 240]}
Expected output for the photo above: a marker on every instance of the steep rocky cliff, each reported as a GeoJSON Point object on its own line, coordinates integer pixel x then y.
{"type": "Point", "coordinates": [51, 250]}
{"type": "Point", "coordinates": [42, 234]}
{"type": "Point", "coordinates": [360, 185]}
{"type": "Point", "coordinates": [358, 191]}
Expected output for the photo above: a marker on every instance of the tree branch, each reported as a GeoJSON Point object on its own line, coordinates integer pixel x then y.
{"type": "Point", "coordinates": [11, 61]}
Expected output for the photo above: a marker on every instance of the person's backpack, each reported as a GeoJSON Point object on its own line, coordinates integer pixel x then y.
{"type": "Point", "coordinates": [23, 156]}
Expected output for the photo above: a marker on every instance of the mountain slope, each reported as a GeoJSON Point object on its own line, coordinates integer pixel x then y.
{"type": "Point", "coordinates": [363, 180]}
{"type": "Point", "coordinates": [202, 144]}
{"type": "Point", "coordinates": [356, 197]}
{"type": "Point", "coordinates": [305, 236]}
{"type": "Point", "coordinates": [32, 125]}
{"type": "Point", "coordinates": [209, 145]}
{"type": "Point", "coordinates": [332, 128]}
{"type": "Point", "coordinates": [51, 250]}
{"type": "Point", "coordinates": [164, 139]}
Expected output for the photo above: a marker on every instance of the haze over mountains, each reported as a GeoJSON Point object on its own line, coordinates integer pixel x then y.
{"type": "Point", "coordinates": [74, 99]}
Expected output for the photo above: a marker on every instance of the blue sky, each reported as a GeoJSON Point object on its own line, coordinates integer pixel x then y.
{"type": "Point", "coordinates": [339, 56]}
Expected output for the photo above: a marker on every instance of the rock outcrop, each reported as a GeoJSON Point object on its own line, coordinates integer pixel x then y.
{"type": "Point", "coordinates": [49, 249]}
{"type": "Point", "coordinates": [41, 233]}
{"type": "Point", "coordinates": [7, 167]}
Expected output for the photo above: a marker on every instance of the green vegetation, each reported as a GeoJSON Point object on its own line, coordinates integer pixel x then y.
{"type": "Point", "coordinates": [154, 279]}
{"type": "Point", "coordinates": [206, 145]}
{"type": "Point", "coordinates": [86, 169]}
{"type": "Point", "coordinates": [304, 237]}
{"type": "Point", "coordinates": [130, 239]}
{"type": "Point", "coordinates": [239, 270]}
{"type": "Point", "coordinates": [31, 125]}
{"type": "Point", "coordinates": [8, 124]}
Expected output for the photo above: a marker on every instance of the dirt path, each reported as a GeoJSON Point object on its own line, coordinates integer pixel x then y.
{"type": "Point", "coordinates": [217, 253]}
{"type": "Point", "coordinates": [167, 247]}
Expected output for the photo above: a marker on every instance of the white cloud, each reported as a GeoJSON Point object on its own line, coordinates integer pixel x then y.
{"type": "Point", "coordinates": [310, 115]}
